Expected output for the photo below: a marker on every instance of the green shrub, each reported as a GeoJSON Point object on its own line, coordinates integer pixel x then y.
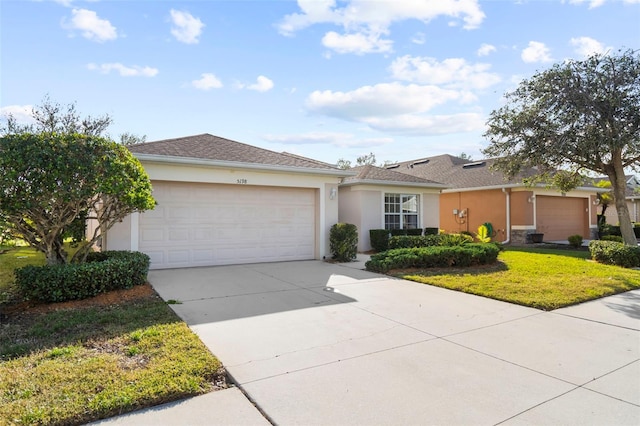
{"type": "Point", "coordinates": [411, 241]}
{"type": "Point", "coordinates": [615, 238]}
{"type": "Point", "coordinates": [396, 232]}
{"type": "Point", "coordinates": [455, 239]}
{"type": "Point", "coordinates": [379, 239]}
{"type": "Point", "coordinates": [575, 241]}
{"type": "Point", "coordinates": [636, 229]}
{"type": "Point", "coordinates": [414, 232]}
{"type": "Point", "coordinates": [432, 257]}
{"type": "Point", "coordinates": [343, 242]}
{"type": "Point", "coordinates": [615, 253]}
{"type": "Point", "coordinates": [103, 272]}
{"type": "Point", "coordinates": [431, 231]}
{"type": "Point", "coordinates": [607, 229]}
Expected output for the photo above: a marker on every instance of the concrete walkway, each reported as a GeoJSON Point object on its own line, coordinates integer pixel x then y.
{"type": "Point", "coordinates": [330, 344]}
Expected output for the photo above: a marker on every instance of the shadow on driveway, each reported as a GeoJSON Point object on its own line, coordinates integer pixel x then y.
{"type": "Point", "coordinates": [221, 293]}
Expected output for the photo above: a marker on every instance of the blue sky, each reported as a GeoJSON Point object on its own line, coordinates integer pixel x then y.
{"type": "Point", "coordinates": [326, 79]}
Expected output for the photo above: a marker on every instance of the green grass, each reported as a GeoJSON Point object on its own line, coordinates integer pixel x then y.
{"type": "Point", "coordinates": [544, 278]}
{"type": "Point", "coordinates": [76, 365]}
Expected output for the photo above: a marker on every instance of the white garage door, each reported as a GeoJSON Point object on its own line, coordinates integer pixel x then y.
{"type": "Point", "coordinates": [197, 224]}
{"type": "Point", "coordinates": [560, 217]}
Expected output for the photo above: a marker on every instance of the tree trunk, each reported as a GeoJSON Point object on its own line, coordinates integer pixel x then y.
{"type": "Point", "coordinates": [619, 185]}
{"type": "Point", "coordinates": [55, 254]}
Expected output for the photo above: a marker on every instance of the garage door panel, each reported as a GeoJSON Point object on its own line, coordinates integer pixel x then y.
{"type": "Point", "coordinates": [560, 217]}
{"type": "Point", "coordinates": [209, 224]}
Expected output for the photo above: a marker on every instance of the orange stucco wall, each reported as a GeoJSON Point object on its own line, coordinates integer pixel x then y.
{"type": "Point", "coordinates": [478, 207]}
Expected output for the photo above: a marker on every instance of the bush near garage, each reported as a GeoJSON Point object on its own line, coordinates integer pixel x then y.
{"type": "Point", "coordinates": [470, 254]}
{"type": "Point", "coordinates": [615, 253]}
{"type": "Point", "coordinates": [343, 242]}
{"type": "Point", "coordinates": [575, 241]}
{"type": "Point", "coordinates": [103, 272]}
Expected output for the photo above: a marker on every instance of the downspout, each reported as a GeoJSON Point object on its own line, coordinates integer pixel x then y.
{"type": "Point", "coordinates": [508, 211]}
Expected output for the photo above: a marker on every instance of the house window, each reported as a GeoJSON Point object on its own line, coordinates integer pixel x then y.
{"type": "Point", "coordinates": [401, 211]}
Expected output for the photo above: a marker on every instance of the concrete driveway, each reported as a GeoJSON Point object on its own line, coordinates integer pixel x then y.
{"type": "Point", "coordinates": [327, 344]}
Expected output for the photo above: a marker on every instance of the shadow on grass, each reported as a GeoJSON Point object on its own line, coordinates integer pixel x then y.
{"type": "Point", "coordinates": [24, 334]}
{"type": "Point", "coordinates": [461, 271]}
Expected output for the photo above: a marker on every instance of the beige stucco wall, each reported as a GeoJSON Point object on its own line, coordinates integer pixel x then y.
{"type": "Point", "coordinates": [612, 214]}
{"type": "Point", "coordinates": [123, 236]}
{"type": "Point", "coordinates": [363, 206]}
{"type": "Point", "coordinates": [119, 236]}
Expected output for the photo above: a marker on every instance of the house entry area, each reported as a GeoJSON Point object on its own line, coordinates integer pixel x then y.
{"type": "Point", "coordinates": [201, 224]}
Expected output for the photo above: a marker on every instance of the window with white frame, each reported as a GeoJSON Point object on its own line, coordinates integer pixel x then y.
{"type": "Point", "coordinates": [401, 211]}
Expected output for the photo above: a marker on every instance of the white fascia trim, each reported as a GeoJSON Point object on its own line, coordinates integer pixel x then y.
{"type": "Point", "coordinates": [517, 185]}
{"type": "Point", "coordinates": [482, 188]}
{"type": "Point", "coordinates": [391, 183]}
{"type": "Point", "coordinates": [240, 165]}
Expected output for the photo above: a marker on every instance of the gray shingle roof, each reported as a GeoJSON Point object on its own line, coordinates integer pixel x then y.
{"type": "Point", "coordinates": [375, 174]}
{"type": "Point", "coordinates": [209, 147]}
{"type": "Point", "coordinates": [458, 173]}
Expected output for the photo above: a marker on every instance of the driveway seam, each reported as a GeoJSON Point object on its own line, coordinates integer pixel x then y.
{"type": "Point", "coordinates": [596, 321]}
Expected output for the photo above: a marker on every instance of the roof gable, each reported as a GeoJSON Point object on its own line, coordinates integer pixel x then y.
{"type": "Point", "coordinates": [379, 175]}
{"type": "Point", "coordinates": [210, 147]}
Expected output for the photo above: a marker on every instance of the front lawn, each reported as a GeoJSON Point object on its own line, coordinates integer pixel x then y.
{"type": "Point", "coordinates": [541, 278]}
{"type": "Point", "coordinates": [75, 362]}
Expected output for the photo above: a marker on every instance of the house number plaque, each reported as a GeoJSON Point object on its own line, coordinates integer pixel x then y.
{"type": "Point", "coordinates": [241, 181]}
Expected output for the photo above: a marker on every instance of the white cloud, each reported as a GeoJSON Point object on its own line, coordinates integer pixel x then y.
{"type": "Point", "coordinates": [124, 71]}
{"type": "Point", "coordinates": [426, 125]}
{"type": "Point", "coordinates": [262, 84]}
{"type": "Point", "coordinates": [586, 46]}
{"type": "Point", "coordinates": [485, 49]}
{"type": "Point", "coordinates": [340, 140]}
{"type": "Point", "coordinates": [207, 81]}
{"type": "Point", "coordinates": [186, 28]}
{"type": "Point", "coordinates": [398, 108]}
{"type": "Point", "coordinates": [419, 38]}
{"type": "Point", "coordinates": [452, 72]}
{"type": "Point", "coordinates": [91, 26]}
{"type": "Point", "coordinates": [358, 43]}
{"type": "Point", "coordinates": [386, 99]}
{"type": "Point", "coordinates": [22, 113]}
{"type": "Point", "coordinates": [592, 3]}
{"type": "Point", "coordinates": [364, 21]}
{"type": "Point", "coordinates": [536, 52]}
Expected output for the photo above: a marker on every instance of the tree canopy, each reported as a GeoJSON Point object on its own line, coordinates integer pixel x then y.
{"type": "Point", "coordinates": [52, 177]}
{"type": "Point", "coordinates": [576, 116]}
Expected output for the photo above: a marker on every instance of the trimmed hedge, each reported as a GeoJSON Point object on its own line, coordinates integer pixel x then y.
{"type": "Point", "coordinates": [615, 253]}
{"type": "Point", "coordinates": [343, 242]}
{"type": "Point", "coordinates": [103, 272]}
{"type": "Point", "coordinates": [434, 257]}
{"type": "Point", "coordinates": [410, 241]}
{"type": "Point", "coordinates": [379, 239]}
{"type": "Point", "coordinates": [431, 231]}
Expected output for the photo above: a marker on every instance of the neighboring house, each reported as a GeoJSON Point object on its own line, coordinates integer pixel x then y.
{"type": "Point", "coordinates": [378, 198]}
{"type": "Point", "coordinates": [224, 202]}
{"type": "Point", "coordinates": [633, 202]}
{"type": "Point", "coordinates": [476, 194]}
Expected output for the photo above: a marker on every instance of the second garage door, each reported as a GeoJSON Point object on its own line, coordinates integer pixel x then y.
{"type": "Point", "coordinates": [196, 224]}
{"type": "Point", "coordinates": [560, 217]}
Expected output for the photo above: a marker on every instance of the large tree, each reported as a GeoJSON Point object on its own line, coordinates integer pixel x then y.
{"type": "Point", "coordinates": [576, 116]}
{"type": "Point", "coordinates": [59, 171]}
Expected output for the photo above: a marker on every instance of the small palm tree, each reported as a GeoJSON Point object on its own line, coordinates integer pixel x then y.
{"type": "Point", "coordinates": [605, 198]}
